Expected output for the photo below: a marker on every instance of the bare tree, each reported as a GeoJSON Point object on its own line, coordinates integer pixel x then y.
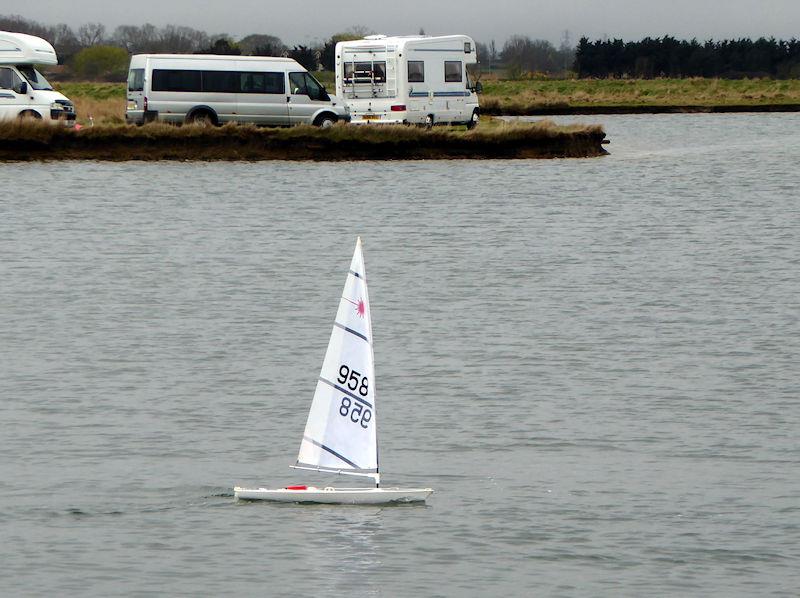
{"type": "Point", "coordinates": [359, 31]}
{"type": "Point", "coordinates": [65, 41]}
{"type": "Point", "coordinates": [521, 53]}
{"type": "Point", "coordinates": [135, 39]}
{"type": "Point", "coordinates": [91, 34]}
{"type": "Point", "coordinates": [185, 40]}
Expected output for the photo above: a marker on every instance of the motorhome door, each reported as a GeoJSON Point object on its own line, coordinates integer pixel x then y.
{"type": "Point", "coordinates": [10, 101]}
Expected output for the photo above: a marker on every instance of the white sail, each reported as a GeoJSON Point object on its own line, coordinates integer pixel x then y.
{"type": "Point", "coordinates": [340, 433]}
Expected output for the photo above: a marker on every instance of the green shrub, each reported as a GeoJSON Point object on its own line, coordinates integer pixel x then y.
{"type": "Point", "coordinates": [101, 62]}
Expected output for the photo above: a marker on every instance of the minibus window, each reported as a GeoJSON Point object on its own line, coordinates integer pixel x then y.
{"type": "Point", "coordinates": [452, 71]}
{"type": "Point", "coordinates": [175, 80]}
{"type": "Point", "coordinates": [298, 84]}
{"type": "Point", "coordinates": [136, 80]}
{"type": "Point", "coordinates": [263, 83]}
{"type": "Point", "coordinates": [275, 83]}
{"type": "Point", "coordinates": [221, 81]}
{"type": "Point", "coordinates": [314, 88]}
{"type": "Point", "coordinates": [305, 84]}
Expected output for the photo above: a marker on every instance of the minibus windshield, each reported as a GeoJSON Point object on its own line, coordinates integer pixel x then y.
{"type": "Point", "coordinates": [34, 77]}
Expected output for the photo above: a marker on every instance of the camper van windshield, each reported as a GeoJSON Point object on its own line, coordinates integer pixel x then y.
{"type": "Point", "coordinates": [34, 77]}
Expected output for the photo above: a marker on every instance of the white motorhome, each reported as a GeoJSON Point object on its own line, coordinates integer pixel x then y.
{"type": "Point", "coordinates": [408, 79]}
{"type": "Point", "coordinates": [24, 92]}
{"type": "Point", "coordinates": [215, 89]}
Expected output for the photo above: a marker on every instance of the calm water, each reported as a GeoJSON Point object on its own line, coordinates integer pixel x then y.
{"type": "Point", "coordinates": [593, 362]}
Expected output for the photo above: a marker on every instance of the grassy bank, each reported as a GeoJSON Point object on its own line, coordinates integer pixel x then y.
{"type": "Point", "coordinates": [634, 95]}
{"type": "Point", "coordinates": [36, 141]}
{"type": "Point", "coordinates": [105, 102]}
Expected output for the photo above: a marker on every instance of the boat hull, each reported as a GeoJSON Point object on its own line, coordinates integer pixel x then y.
{"type": "Point", "coordinates": [336, 496]}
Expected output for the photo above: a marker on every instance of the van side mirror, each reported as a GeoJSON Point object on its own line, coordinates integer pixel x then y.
{"type": "Point", "coordinates": [21, 88]}
{"type": "Point", "coordinates": [478, 87]}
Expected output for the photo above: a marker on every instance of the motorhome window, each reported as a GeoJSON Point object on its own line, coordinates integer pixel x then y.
{"type": "Point", "coordinates": [6, 78]}
{"type": "Point", "coordinates": [34, 77]}
{"type": "Point", "coordinates": [467, 47]}
{"type": "Point", "coordinates": [452, 71]}
{"type": "Point", "coordinates": [220, 82]}
{"type": "Point", "coordinates": [263, 83]}
{"type": "Point", "coordinates": [175, 80]}
{"type": "Point", "coordinates": [365, 72]}
{"type": "Point", "coordinates": [136, 80]}
{"type": "Point", "coordinates": [416, 71]}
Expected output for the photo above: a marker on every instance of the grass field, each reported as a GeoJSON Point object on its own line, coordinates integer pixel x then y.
{"type": "Point", "coordinates": [523, 96]}
{"type": "Point", "coordinates": [105, 102]}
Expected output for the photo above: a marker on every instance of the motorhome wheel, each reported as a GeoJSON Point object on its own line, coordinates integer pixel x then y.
{"type": "Point", "coordinates": [473, 122]}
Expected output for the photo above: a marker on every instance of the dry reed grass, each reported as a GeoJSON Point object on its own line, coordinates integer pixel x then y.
{"type": "Point", "coordinates": [155, 141]}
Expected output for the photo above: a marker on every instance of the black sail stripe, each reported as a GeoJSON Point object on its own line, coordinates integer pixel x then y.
{"type": "Point", "coordinates": [350, 330]}
{"type": "Point", "coordinates": [346, 391]}
{"type": "Point", "coordinates": [331, 451]}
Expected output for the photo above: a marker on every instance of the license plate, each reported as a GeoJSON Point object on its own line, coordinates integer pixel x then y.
{"type": "Point", "coordinates": [131, 105]}
{"type": "Point", "coordinates": [371, 117]}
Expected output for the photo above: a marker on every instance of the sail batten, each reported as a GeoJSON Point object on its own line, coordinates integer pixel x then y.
{"type": "Point", "coordinates": [351, 331]}
{"type": "Point", "coordinates": [347, 392]}
{"type": "Point", "coordinates": [340, 433]}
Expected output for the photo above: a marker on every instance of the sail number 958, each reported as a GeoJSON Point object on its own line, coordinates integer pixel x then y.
{"type": "Point", "coordinates": [357, 413]}
{"type": "Point", "coordinates": [353, 380]}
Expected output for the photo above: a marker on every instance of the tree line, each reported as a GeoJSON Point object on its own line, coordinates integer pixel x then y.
{"type": "Point", "coordinates": [91, 51]}
{"type": "Point", "coordinates": [669, 57]}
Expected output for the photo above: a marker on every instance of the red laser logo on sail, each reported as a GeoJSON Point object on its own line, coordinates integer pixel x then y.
{"type": "Point", "coordinates": [361, 307]}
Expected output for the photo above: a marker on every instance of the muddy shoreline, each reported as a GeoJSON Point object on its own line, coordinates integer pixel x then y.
{"type": "Point", "coordinates": [163, 142]}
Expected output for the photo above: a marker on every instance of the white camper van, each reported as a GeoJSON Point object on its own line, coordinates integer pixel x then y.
{"type": "Point", "coordinates": [24, 92]}
{"type": "Point", "coordinates": [411, 79]}
{"type": "Point", "coordinates": [188, 88]}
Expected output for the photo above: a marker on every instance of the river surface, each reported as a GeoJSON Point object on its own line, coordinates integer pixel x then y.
{"type": "Point", "coordinates": [593, 362]}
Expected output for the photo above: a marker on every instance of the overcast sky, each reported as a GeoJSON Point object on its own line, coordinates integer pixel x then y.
{"type": "Point", "coordinates": [302, 21]}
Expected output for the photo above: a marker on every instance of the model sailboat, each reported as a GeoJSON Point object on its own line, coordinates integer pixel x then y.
{"type": "Point", "coordinates": [341, 431]}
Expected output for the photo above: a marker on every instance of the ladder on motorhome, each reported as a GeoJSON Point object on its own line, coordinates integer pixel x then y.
{"type": "Point", "coordinates": [367, 77]}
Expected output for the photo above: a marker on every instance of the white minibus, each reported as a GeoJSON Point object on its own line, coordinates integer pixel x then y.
{"type": "Point", "coordinates": [24, 92]}
{"type": "Point", "coordinates": [186, 88]}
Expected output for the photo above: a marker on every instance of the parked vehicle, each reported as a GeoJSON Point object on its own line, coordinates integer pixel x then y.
{"type": "Point", "coordinates": [185, 88]}
{"type": "Point", "coordinates": [410, 79]}
{"type": "Point", "coordinates": [24, 92]}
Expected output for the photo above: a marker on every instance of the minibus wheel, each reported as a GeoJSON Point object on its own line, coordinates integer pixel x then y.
{"type": "Point", "coordinates": [325, 121]}
{"type": "Point", "coordinates": [429, 121]}
{"type": "Point", "coordinates": [202, 118]}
